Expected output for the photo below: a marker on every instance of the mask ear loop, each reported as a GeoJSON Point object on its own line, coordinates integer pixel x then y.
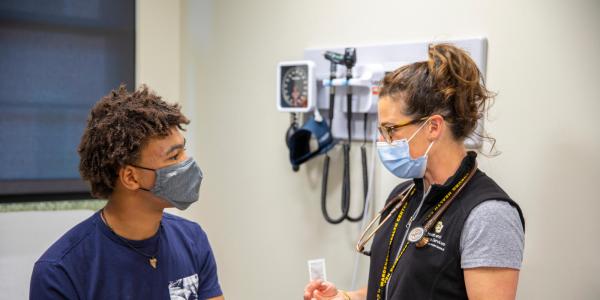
{"type": "Point", "coordinates": [413, 135]}
{"type": "Point", "coordinates": [428, 148]}
{"type": "Point", "coordinates": [144, 168]}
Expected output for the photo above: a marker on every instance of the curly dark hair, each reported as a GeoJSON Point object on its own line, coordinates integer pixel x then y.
{"type": "Point", "coordinates": [118, 127]}
{"type": "Point", "coordinates": [448, 83]}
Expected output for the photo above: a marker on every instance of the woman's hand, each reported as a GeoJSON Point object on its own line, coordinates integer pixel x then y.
{"type": "Point", "coordinates": [322, 290]}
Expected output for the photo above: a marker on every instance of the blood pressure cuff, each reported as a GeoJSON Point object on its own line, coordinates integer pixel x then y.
{"type": "Point", "coordinates": [312, 139]}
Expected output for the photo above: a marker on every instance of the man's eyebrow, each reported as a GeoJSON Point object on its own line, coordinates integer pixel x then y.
{"type": "Point", "coordinates": [176, 147]}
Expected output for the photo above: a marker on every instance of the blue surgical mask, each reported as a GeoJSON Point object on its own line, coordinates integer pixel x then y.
{"type": "Point", "coordinates": [178, 184]}
{"type": "Point", "coordinates": [396, 158]}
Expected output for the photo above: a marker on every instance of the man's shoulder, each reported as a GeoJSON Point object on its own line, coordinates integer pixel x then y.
{"type": "Point", "coordinates": [183, 226]}
{"type": "Point", "coordinates": [174, 220]}
{"type": "Point", "coordinates": [69, 241]}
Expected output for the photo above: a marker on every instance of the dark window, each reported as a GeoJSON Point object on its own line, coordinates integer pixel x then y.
{"type": "Point", "coordinates": [57, 58]}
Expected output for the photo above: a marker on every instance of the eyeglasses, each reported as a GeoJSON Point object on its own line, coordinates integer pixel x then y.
{"type": "Point", "coordinates": [387, 131]}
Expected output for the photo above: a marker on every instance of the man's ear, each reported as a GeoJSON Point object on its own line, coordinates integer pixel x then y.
{"type": "Point", "coordinates": [129, 178]}
{"type": "Point", "coordinates": [436, 127]}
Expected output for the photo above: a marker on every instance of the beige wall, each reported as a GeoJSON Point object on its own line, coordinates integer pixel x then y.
{"type": "Point", "coordinates": [158, 47]}
{"type": "Point", "coordinates": [24, 236]}
{"type": "Point", "coordinates": [264, 221]}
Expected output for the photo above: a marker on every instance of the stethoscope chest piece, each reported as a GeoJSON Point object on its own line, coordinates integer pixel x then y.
{"type": "Point", "coordinates": [417, 235]}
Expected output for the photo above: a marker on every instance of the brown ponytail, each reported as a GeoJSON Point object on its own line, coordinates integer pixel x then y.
{"type": "Point", "coordinates": [448, 83]}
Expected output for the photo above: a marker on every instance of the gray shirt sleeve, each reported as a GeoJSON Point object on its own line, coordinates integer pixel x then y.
{"type": "Point", "coordinates": [492, 237]}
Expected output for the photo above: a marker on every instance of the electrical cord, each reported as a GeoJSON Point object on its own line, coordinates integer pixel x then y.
{"type": "Point", "coordinates": [366, 211]}
{"type": "Point", "coordinates": [365, 175]}
{"type": "Point", "coordinates": [346, 208]}
{"type": "Point", "coordinates": [290, 131]}
{"type": "Point", "coordinates": [349, 60]}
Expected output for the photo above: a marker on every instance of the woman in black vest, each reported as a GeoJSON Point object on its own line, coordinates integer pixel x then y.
{"type": "Point", "coordinates": [451, 232]}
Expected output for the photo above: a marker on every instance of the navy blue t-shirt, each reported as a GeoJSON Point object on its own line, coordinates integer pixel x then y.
{"type": "Point", "coordinates": [91, 262]}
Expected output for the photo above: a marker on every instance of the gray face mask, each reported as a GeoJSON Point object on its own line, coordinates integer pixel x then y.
{"type": "Point", "coordinates": [178, 184]}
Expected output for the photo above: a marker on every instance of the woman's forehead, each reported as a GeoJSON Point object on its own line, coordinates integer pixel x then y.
{"type": "Point", "coordinates": [391, 110]}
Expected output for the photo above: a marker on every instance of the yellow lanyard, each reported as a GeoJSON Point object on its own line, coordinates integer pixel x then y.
{"type": "Point", "coordinates": [387, 274]}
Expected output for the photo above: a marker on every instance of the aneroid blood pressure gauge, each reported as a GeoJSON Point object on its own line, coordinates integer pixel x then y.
{"type": "Point", "coordinates": [296, 86]}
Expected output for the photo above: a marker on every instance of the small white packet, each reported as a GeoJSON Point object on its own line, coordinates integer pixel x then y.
{"type": "Point", "coordinates": [316, 269]}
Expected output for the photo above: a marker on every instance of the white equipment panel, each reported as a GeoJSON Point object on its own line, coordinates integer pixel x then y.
{"type": "Point", "coordinates": [372, 64]}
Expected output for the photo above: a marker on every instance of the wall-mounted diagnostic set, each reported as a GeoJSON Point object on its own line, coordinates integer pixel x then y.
{"type": "Point", "coordinates": [343, 85]}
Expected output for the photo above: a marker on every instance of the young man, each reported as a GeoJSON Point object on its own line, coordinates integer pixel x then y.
{"type": "Point", "coordinates": [133, 154]}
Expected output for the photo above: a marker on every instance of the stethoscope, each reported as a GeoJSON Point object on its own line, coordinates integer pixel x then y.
{"type": "Point", "coordinates": [397, 202]}
{"type": "Point", "coordinates": [417, 235]}
{"type": "Point", "coordinates": [349, 60]}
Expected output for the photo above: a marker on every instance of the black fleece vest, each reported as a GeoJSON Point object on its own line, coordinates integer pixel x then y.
{"type": "Point", "coordinates": [434, 271]}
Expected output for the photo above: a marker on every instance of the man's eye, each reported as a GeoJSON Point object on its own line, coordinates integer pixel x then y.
{"type": "Point", "coordinates": [176, 156]}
